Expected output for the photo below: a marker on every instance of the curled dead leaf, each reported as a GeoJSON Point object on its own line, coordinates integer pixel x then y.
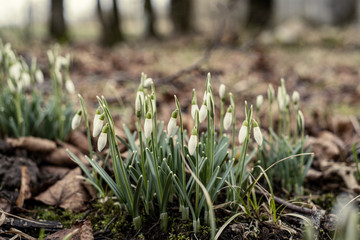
{"type": "Point", "coordinates": [79, 140]}
{"type": "Point", "coordinates": [25, 192]}
{"type": "Point", "coordinates": [32, 144]}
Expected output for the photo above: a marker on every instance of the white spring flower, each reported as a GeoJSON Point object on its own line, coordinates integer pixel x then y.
{"type": "Point", "coordinates": [148, 82]}
{"type": "Point", "coordinates": [259, 102]}
{"type": "Point", "coordinates": [58, 76]}
{"type": "Point", "coordinates": [153, 103]}
{"type": "Point", "coordinates": [139, 100]}
{"type": "Point", "coordinates": [257, 133]}
{"type": "Point", "coordinates": [281, 99]}
{"type": "Point", "coordinates": [301, 121]}
{"type": "Point", "coordinates": [69, 85]}
{"type": "Point", "coordinates": [171, 127]}
{"type": "Point", "coordinates": [76, 120]}
{"type": "Point", "coordinates": [25, 79]}
{"type": "Point", "coordinates": [194, 108]}
{"type": "Point", "coordinates": [193, 142]}
{"type": "Point", "coordinates": [243, 132]}
{"type": "Point", "coordinates": [209, 101]}
{"type": "Point", "coordinates": [287, 101]}
{"type": "Point", "coordinates": [98, 123]}
{"type": "Point", "coordinates": [202, 113]}
{"type": "Point", "coordinates": [103, 138]}
{"type": "Point", "coordinates": [205, 96]}
{"type": "Point", "coordinates": [228, 118]}
{"type": "Point", "coordinates": [39, 76]}
{"type": "Point", "coordinates": [50, 56]}
{"type": "Point", "coordinates": [148, 125]}
{"type": "Point", "coordinates": [15, 71]}
{"type": "Point", "coordinates": [222, 91]}
{"type": "Point", "coordinates": [295, 98]}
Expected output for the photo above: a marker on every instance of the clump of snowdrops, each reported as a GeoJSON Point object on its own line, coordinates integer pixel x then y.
{"type": "Point", "coordinates": [25, 108]}
{"type": "Point", "coordinates": [190, 169]}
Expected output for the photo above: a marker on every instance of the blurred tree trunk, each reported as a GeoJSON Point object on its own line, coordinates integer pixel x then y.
{"type": "Point", "coordinates": [181, 15]}
{"type": "Point", "coordinates": [111, 24]}
{"type": "Point", "coordinates": [260, 13]}
{"type": "Point", "coordinates": [58, 29]}
{"type": "Point", "coordinates": [150, 19]}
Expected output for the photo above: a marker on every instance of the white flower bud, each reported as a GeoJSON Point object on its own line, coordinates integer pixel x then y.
{"type": "Point", "coordinates": [202, 113]}
{"type": "Point", "coordinates": [205, 96]}
{"type": "Point", "coordinates": [271, 93]}
{"type": "Point", "coordinates": [243, 132]}
{"type": "Point", "coordinates": [39, 76]}
{"type": "Point", "coordinates": [171, 127]}
{"type": "Point", "coordinates": [148, 125]}
{"type": "Point", "coordinates": [222, 91]}
{"type": "Point", "coordinates": [193, 142]}
{"type": "Point", "coordinates": [194, 108]}
{"type": "Point", "coordinates": [281, 99]}
{"type": "Point", "coordinates": [259, 101]}
{"type": "Point", "coordinates": [287, 101]}
{"type": "Point", "coordinates": [209, 101]}
{"type": "Point", "coordinates": [15, 71]}
{"type": "Point", "coordinates": [98, 124]}
{"type": "Point", "coordinates": [58, 76]}
{"type": "Point", "coordinates": [295, 98]}
{"type": "Point", "coordinates": [50, 56]}
{"type": "Point", "coordinates": [257, 133]}
{"type": "Point", "coordinates": [25, 79]}
{"type": "Point", "coordinates": [69, 85]}
{"type": "Point", "coordinates": [76, 120]}
{"type": "Point", "coordinates": [148, 82]}
{"type": "Point", "coordinates": [139, 100]}
{"type": "Point", "coordinates": [102, 138]}
{"type": "Point", "coordinates": [301, 121]}
{"type": "Point", "coordinates": [228, 118]}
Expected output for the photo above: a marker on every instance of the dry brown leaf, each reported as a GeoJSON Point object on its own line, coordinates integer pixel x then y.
{"type": "Point", "coordinates": [25, 192]}
{"type": "Point", "coordinates": [60, 157]}
{"type": "Point", "coordinates": [2, 217]}
{"type": "Point", "coordinates": [54, 171]}
{"type": "Point", "coordinates": [79, 140]}
{"type": "Point", "coordinates": [32, 144]}
{"type": "Point", "coordinates": [67, 193]}
{"type": "Point", "coordinates": [81, 231]}
{"type": "Point", "coordinates": [5, 205]}
{"type": "Point", "coordinates": [74, 150]}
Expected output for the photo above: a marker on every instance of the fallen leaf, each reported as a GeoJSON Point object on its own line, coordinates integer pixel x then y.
{"type": "Point", "coordinates": [81, 231]}
{"type": "Point", "coordinates": [67, 193]}
{"type": "Point", "coordinates": [79, 140]}
{"type": "Point", "coordinates": [25, 192]}
{"type": "Point", "coordinates": [60, 157]}
{"type": "Point", "coordinates": [32, 144]}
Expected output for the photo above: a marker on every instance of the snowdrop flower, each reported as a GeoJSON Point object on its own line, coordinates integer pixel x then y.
{"type": "Point", "coordinates": [58, 76]}
{"type": "Point", "coordinates": [76, 120]}
{"type": "Point", "coordinates": [228, 118]}
{"type": "Point", "coordinates": [281, 99]}
{"type": "Point", "coordinates": [148, 82]}
{"type": "Point", "coordinates": [301, 121]}
{"type": "Point", "coordinates": [140, 99]}
{"type": "Point", "coordinates": [25, 79]}
{"type": "Point", "coordinates": [69, 85]}
{"type": "Point", "coordinates": [259, 102]}
{"type": "Point", "coordinates": [202, 112]}
{"type": "Point", "coordinates": [98, 122]}
{"type": "Point", "coordinates": [222, 91]}
{"type": "Point", "coordinates": [103, 138]}
{"type": "Point", "coordinates": [148, 125]}
{"type": "Point", "coordinates": [257, 133]}
{"type": "Point", "coordinates": [39, 76]}
{"type": "Point", "coordinates": [295, 98]}
{"type": "Point", "coordinates": [153, 102]}
{"type": "Point", "coordinates": [15, 71]}
{"type": "Point", "coordinates": [171, 127]}
{"type": "Point", "coordinates": [193, 141]}
{"type": "Point", "coordinates": [194, 106]}
{"type": "Point", "coordinates": [287, 101]}
{"type": "Point", "coordinates": [50, 56]}
{"type": "Point", "coordinates": [205, 96]}
{"type": "Point", "coordinates": [243, 131]}
{"type": "Point", "coordinates": [271, 93]}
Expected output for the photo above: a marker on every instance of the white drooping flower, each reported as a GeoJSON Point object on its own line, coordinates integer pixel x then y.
{"type": "Point", "coordinates": [103, 138]}
{"type": "Point", "coordinates": [76, 120]}
{"type": "Point", "coordinates": [69, 85]}
{"type": "Point", "coordinates": [194, 106]}
{"type": "Point", "coordinates": [259, 102]}
{"type": "Point", "coordinates": [193, 141]}
{"type": "Point", "coordinates": [98, 123]}
{"type": "Point", "coordinates": [222, 91]}
{"type": "Point", "coordinates": [39, 76]}
{"type": "Point", "coordinates": [50, 56]}
{"type": "Point", "coordinates": [148, 125]}
{"type": "Point", "coordinates": [208, 101]}
{"type": "Point", "coordinates": [15, 71]}
{"type": "Point", "coordinates": [139, 101]}
{"type": "Point", "coordinates": [296, 98]}
{"type": "Point", "coordinates": [281, 99]}
{"type": "Point", "coordinates": [202, 113]}
{"type": "Point", "coordinates": [171, 127]}
{"type": "Point", "coordinates": [228, 118]}
{"type": "Point", "coordinates": [148, 82]}
{"type": "Point", "coordinates": [243, 132]}
{"type": "Point", "coordinates": [257, 133]}
{"type": "Point", "coordinates": [287, 101]}
{"type": "Point", "coordinates": [25, 79]}
{"type": "Point", "coordinates": [301, 121]}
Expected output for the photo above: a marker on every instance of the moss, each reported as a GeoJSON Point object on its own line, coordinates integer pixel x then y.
{"type": "Point", "coordinates": [325, 201]}
{"type": "Point", "coordinates": [66, 217]}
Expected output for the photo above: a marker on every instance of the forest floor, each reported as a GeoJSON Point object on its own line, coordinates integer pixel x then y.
{"type": "Point", "coordinates": [323, 67]}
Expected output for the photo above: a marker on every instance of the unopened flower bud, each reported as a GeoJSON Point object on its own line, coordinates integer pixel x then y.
{"type": "Point", "coordinates": [259, 102]}
{"type": "Point", "coordinates": [202, 113]}
{"type": "Point", "coordinates": [171, 128]}
{"type": "Point", "coordinates": [69, 85]}
{"type": "Point", "coordinates": [243, 131]}
{"type": "Point", "coordinates": [148, 82]}
{"type": "Point", "coordinates": [39, 76]}
{"type": "Point", "coordinates": [257, 133]}
{"type": "Point", "coordinates": [222, 91]}
{"type": "Point", "coordinates": [15, 71]}
{"type": "Point", "coordinates": [296, 98]}
{"type": "Point", "coordinates": [148, 125]}
{"type": "Point", "coordinates": [25, 79]}
{"type": "Point", "coordinates": [193, 141]}
{"type": "Point", "coordinates": [281, 99]}
{"type": "Point", "coordinates": [301, 121]}
{"type": "Point", "coordinates": [228, 118]}
{"type": "Point", "coordinates": [98, 123]}
{"type": "Point", "coordinates": [103, 138]}
{"type": "Point", "coordinates": [76, 120]}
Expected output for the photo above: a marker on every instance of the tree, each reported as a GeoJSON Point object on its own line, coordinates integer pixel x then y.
{"type": "Point", "coordinates": [58, 28]}
{"type": "Point", "coordinates": [111, 24]}
{"type": "Point", "coordinates": [150, 19]}
{"type": "Point", "coordinates": [181, 15]}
